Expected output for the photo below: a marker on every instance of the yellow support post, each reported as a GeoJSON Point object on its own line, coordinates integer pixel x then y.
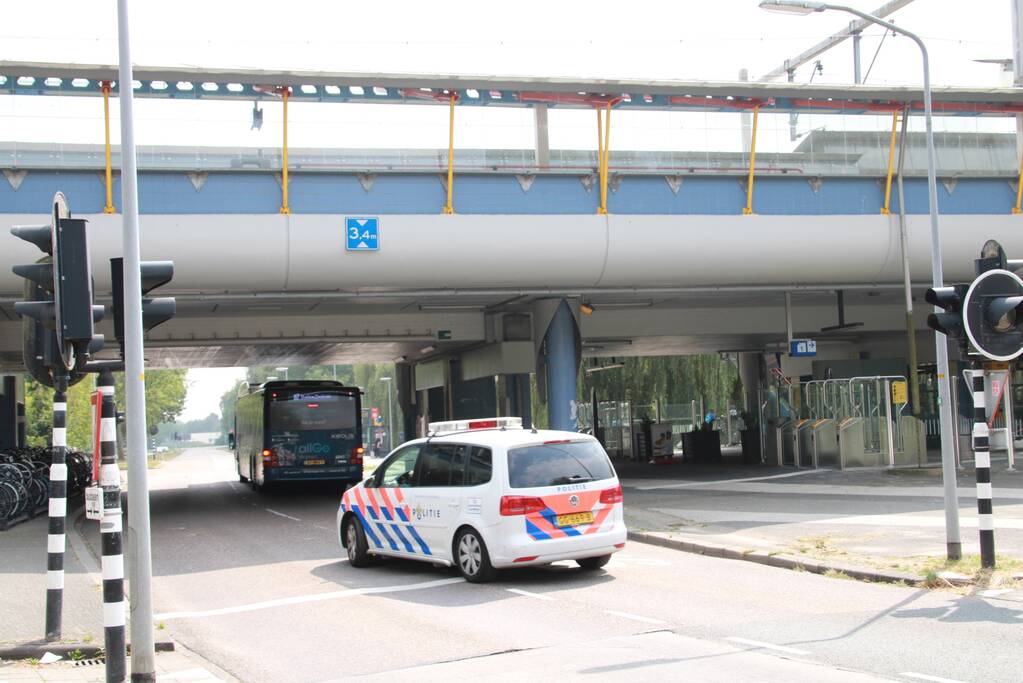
{"type": "Point", "coordinates": [748, 209]}
{"type": "Point", "coordinates": [449, 207]}
{"type": "Point", "coordinates": [600, 153]}
{"type": "Point", "coordinates": [1019, 189]}
{"type": "Point", "coordinates": [109, 206]}
{"type": "Point", "coordinates": [602, 210]}
{"type": "Point", "coordinates": [891, 165]}
{"type": "Point", "coordinates": [284, 156]}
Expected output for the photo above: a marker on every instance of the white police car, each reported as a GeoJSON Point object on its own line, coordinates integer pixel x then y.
{"type": "Point", "coordinates": [486, 494]}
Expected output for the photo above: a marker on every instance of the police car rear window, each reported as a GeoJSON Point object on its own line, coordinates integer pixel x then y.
{"type": "Point", "coordinates": [557, 464]}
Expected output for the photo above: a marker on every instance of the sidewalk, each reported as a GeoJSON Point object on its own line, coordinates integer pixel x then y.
{"type": "Point", "coordinates": [22, 609]}
{"type": "Point", "coordinates": [888, 521]}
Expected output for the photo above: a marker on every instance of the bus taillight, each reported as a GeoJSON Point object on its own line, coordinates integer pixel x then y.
{"type": "Point", "coordinates": [357, 453]}
{"type": "Point", "coordinates": [269, 458]}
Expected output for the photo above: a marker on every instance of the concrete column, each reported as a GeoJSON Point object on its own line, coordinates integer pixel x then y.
{"type": "Point", "coordinates": [562, 366]}
{"type": "Point", "coordinates": [543, 144]}
{"type": "Point", "coordinates": [9, 412]}
{"type": "Point", "coordinates": [749, 373]}
{"type": "Point", "coordinates": [407, 404]}
{"type": "Point", "coordinates": [519, 399]}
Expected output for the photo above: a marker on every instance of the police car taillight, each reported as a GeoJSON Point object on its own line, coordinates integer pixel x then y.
{"type": "Point", "coordinates": [521, 505]}
{"type": "Point", "coordinates": [611, 496]}
{"type": "Point", "coordinates": [469, 425]}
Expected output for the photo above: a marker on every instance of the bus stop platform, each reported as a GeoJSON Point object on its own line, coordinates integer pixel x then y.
{"type": "Point", "coordinates": [889, 521]}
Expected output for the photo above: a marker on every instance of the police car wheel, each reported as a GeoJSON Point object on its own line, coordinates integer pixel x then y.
{"type": "Point", "coordinates": [355, 544]}
{"type": "Point", "coordinates": [590, 563]}
{"type": "Point", "coordinates": [472, 559]}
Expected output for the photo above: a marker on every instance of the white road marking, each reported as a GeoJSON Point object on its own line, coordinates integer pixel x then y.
{"type": "Point", "coordinates": [925, 677]}
{"type": "Point", "coordinates": [281, 514]}
{"type": "Point", "coordinates": [689, 484]}
{"type": "Point", "coordinates": [529, 595]}
{"type": "Point", "coordinates": [315, 597]}
{"type": "Point", "coordinates": [995, 592]}
{"type": "Point", "coordinates": [768, 646]}
{"type": "Point", "coordinates": [634, 617]}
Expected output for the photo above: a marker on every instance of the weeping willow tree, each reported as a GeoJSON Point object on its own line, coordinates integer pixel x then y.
{"type": "Point", "coordinates": [669, 379]}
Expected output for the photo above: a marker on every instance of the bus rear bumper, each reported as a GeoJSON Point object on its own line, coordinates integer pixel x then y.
{"type": "Point", "coordinates": [282, 474]}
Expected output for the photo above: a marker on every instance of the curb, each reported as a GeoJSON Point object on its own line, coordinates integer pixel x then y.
{"type": "Point", "coordinates": [88, 651]}
{"type": "Point", "coordinates": [773, 560]}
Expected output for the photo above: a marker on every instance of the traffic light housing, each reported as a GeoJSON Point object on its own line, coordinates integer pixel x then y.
{"type": "Point", "coordinates": [987, 314]}
{"type": "Point", "coordinates": [950, 300]}
{"type": "Point", "coordinates": [993, 315]}
{"type": "Point", "coordinates": [59, 316]}
{"type": "Point", "coordinates": [155, 311]}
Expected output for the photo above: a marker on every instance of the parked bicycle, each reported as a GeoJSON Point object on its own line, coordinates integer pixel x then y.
{"type": "Point", "coordinates": [25, 481]}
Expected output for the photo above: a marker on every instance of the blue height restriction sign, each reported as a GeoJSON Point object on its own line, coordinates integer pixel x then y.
{"type": "Point", "coordinates": [803, 347]}
{"type": "Point", "coordinates": [362, 233]}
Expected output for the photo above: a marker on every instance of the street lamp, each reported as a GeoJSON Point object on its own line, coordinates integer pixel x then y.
{"type": "Point", "coordinates": [948, 465]}
{"type": "Point", "coordinates": [390, 421]}
{"type": "Point", "coordinates": [285, 371]}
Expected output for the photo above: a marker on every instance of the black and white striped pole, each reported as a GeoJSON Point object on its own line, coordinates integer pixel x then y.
{"type": "Point", "coordinates": [982, 464]}
{"type": "Point", "coordinates": [111, 537]}
{"type": "Point", "coordinates": [56, 540]}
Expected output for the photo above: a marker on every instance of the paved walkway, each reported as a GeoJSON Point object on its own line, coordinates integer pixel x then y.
{"type": "Point", "coordinates": [23, 577]}
{"type": "Point", "coordinates": [875, 517]}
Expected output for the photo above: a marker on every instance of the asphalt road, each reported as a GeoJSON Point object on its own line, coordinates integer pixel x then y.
{"type": "Point", "coordinates": [257, 584]}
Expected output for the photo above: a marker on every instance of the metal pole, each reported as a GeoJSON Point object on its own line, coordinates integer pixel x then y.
{"type": "Point", "coordinates": [56, 539]}
{"type": "Point", "coordinates": [889, 423]}
{"type": "Point", "coordinates": [914, 374]}
{"type": "Point", "coordinates": [982, 465]}
{"type": "Point", "coordinates": [111, 535]}
{"type": "Point", "coordinates": [1010, 445]}
{"type": "Point", "coordinates": [857, 77]}
{"type": "Point", "coordinates": [953, 541]}
{"type": "Point", "coordinates": [1017, 64]}
{"type": "Point", "coordinates": [390, 419]}
{"type": "Point", "coordinates": [143, 654]}
{"type": "Point", "coordinates": [788, 318]}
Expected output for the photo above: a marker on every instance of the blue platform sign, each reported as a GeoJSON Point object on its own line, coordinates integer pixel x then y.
{"type": "Point", "coordinates": [803, 347]}
{"type": "Point", "coordinates": [362, 233]}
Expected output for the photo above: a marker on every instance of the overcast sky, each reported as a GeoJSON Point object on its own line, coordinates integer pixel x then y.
{"type": "Point", "coordinates": [644, 39]}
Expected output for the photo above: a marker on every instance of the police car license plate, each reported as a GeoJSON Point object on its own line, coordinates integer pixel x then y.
{"type": "Point", "coordinates": [319, 461]}
{"type": "Point", "coordinates": [575, 518]}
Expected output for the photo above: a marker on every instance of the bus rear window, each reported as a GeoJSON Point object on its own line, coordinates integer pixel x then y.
{"type": "Point", "coordinates": [313, 411]}
{"type": "Point", "coordinates": [557, 464]}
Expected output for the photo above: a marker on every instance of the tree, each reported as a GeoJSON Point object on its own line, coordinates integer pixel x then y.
{"type": "Point", "coordinates": [165, 395]}
{"type": "Point", "coordinates": [39, 414]}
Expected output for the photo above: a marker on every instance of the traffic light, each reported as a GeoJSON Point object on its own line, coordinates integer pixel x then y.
{"type": "Point", "coordinates": [58, 312]}
{"type": "Point", "coordinates": [155, 311]}
{"type": "Point", "coordinates": [950, 299]}
{"type": "Point", "coordinates": [987, 314]}
{"type": "Point", "coordinates": [993, 313]}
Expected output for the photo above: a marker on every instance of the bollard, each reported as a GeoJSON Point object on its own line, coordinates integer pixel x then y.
{"type": "Point", "coordinates": [110, 530]}
{"type": "Point", "coordinates": [982, 462]}
{"type": "Point", "coordinates": [56, 540]}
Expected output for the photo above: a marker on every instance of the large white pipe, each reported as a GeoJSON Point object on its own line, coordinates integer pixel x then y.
{"type": "Point", "coordinates": [268, 252]}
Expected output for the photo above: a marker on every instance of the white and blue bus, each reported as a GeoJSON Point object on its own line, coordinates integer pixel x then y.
{"type": "Point", "coordinates": [300, 430]}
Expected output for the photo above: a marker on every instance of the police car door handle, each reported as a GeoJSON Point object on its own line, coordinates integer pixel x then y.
{"type": "Point", "coordinates": [454, 503]}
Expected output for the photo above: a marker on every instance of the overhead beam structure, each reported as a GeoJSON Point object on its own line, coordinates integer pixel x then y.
{"type": "Point", "coordinates": [27, 78]}
{"type": "Point", "coordinates": [850, 31]}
